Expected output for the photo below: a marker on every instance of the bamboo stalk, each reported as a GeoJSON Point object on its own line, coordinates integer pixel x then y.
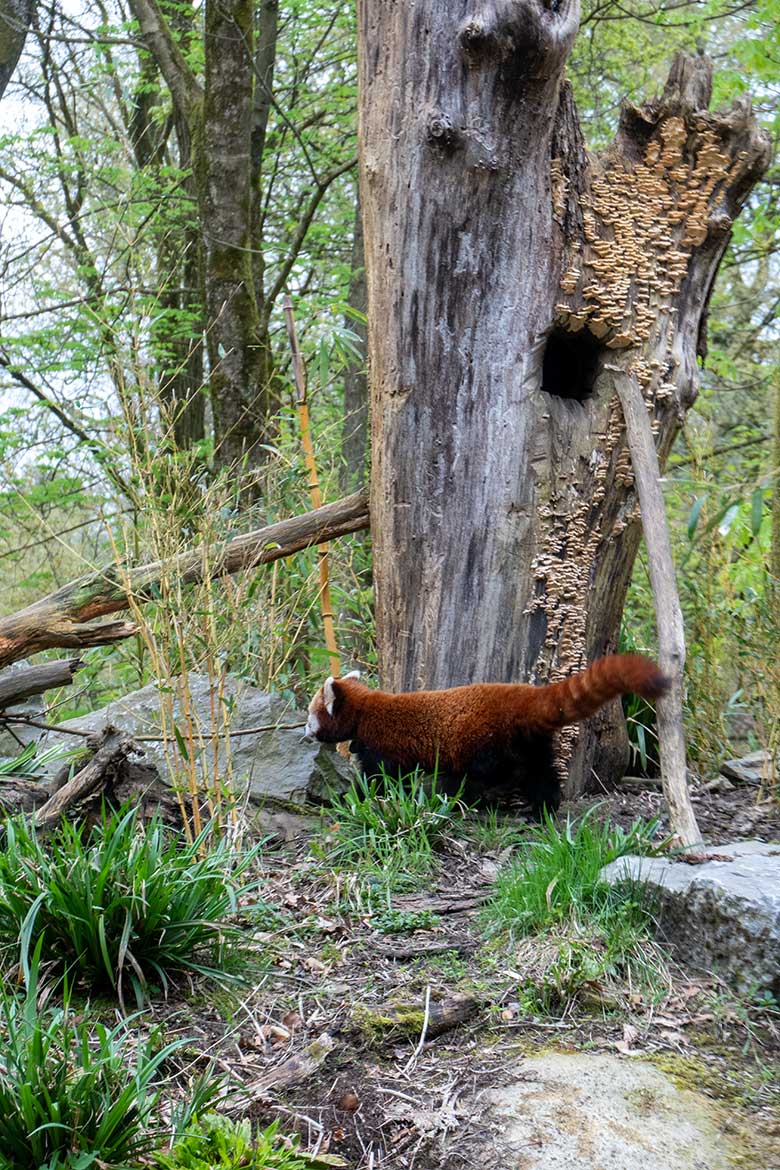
{"type": "Point", "coordinates": [299, 371]}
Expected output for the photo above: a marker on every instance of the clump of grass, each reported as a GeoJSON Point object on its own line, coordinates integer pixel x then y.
{"type": "Point", "coordinates": [390, 826]}
{"type": "Point", "coordinates": [557, 874]}
{"type": "Point", "coordinates": [590, 939]}
{"type": "Point", "coordinates": [123, 903]}
{"type": "Point", "coordinates": [74, 1093]}
{"type": "Point", "coordinates": [217, 1143]}
{"type": "Point", "coordinates": [493, 831]}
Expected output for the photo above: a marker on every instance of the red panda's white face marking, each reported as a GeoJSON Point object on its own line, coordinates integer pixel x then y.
{"type": "Point", "coordinates": [320, 723]}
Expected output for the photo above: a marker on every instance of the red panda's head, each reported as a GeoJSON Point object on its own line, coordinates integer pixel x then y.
{"type": "Point", "coordinates": [331, 717]}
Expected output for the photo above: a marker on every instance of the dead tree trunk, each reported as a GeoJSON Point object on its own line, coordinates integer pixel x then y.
{"type": "Point", "coordinates": [504, 266]}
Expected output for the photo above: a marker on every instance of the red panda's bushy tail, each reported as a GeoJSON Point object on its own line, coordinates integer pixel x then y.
{"type": "Point", "coordinates": [582, 694]}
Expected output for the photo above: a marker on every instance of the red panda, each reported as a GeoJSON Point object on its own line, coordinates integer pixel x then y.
{"type": "Point", "coordinates": [493, 735]}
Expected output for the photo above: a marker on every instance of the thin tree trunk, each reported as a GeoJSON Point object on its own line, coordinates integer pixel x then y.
{"type": "Point", "coordinates": [668, 611]}
{"type": "Point", "coordinates": [354, 434]}
{"type": "Point", "coordinates": [15, 20]}
{"type": "Point", "coordinates": [238, 349]}
{"type": "Point", "coordinates": [504, 266]}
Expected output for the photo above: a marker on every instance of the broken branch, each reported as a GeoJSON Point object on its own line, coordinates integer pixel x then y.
{"type": "Point", "coordinates": [66, 617]}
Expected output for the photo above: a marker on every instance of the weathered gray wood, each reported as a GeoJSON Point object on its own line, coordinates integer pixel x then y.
{"type": "Point", "coordinates": [109, 756]}
{"type": "Point", "coordinates": [35, 680]}
{"type": "Point", "coordinates": [67, 617]}
{"type": "Point", "coordinates": [668, 611]}
{"type": "Point", "coordinates": [504, 515]}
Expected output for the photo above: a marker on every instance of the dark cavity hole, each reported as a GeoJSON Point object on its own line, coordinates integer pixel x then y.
{"type": "Point", "coordinates": [571, 362]}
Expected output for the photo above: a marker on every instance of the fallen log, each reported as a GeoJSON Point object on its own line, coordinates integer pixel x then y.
{"type": "Point", "coordinates": [410, 1019]}
{"type": "Point", "coordinates": [34, 680]}
{"type": "Point", "coordinates": [67, 616]}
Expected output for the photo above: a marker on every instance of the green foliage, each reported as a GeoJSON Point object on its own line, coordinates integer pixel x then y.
{"type": "Point", "coordinates": [390, 827]}
{"type": "Point", "coordinates": [75, 1093]}
{"type": "Point", "coordinates": [216, 1143]}
{"type": "Point", "coordinates": [404, 921]}
{"type": "Point", "coordinates": [123, 905]}
{"type": "Point", "coordinates": [31, 760]}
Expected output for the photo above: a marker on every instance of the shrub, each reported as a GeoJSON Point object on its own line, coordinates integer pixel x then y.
{"type": "Point", "coordinates": [121, 903]}
{"type": "Point", "coordinates": [73, 1092]}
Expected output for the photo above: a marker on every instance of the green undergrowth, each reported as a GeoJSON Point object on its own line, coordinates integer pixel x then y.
{"type": "Point", "coordinates": [76, 1093]}
{"type": "Point", "coordinates": [217, 1143]}
{"type": "Point", "coordinates": [122, 906]}
{"type": "Point", "coordinates": [390, 829]}
{"type": "Point", "coordinates": [576, 937]}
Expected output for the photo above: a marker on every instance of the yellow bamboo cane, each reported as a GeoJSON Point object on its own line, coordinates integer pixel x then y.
{"type": "Point", "coordinates": [299, 371]}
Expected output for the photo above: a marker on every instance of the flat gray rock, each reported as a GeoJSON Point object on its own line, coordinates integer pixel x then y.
{"type": "Point", "coordinates": [721, 915]}
{"type": "Point", "coordinates": [278, 765]}
{"type": "Point", "coordinates": [586, 1111]}
{"type": "Point", "coordinates": [752, 769]}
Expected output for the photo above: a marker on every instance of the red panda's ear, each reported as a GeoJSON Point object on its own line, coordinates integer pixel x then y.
{"type": "Point", "coordinates": [351, 674]}
{"type": "Point", "coordinates": [329, 694]}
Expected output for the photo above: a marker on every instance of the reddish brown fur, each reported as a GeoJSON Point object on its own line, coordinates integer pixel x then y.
{"type": "Point", "coordinates": [452, 728]}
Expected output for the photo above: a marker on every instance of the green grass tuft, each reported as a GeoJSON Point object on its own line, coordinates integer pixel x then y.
{"type": "Point", "coordinates": [583, 938]}
{"type": "Point", "coordinates": [390, 828]}
{"type": "Point", "coordinates": [557, 875]}
{"type": "Point", "coordinates": [123, 905]}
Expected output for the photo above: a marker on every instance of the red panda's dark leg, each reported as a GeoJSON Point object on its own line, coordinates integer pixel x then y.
{"type": "Point", "coordinates": [371, 762]}
{"type": "Point", "coordinates": [537, 774]}
{"type": "Point", "coordinates": [526, 769]}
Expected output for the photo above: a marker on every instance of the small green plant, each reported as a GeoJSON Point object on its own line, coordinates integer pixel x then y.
{"type": "Point", "coordinates": [404, 921]}
{"type": "Point", "coordinates": [589, 937]}
{"type": "Point", "coordinates": [74, 1093]}
{"type": "Point", "coordinates": [390, 826]}
{"type": "Point", "coordinates": [31, 760]}
{"type": "Point", "coordinates": [557, 873]}
{"type": "Point", "coordinates": [124, 903]}
{"type": "Point", "coordinates": [217, 1143]}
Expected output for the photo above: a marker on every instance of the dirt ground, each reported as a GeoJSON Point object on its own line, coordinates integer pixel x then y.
{"type": "Point", "coordinates": [302, 1042]}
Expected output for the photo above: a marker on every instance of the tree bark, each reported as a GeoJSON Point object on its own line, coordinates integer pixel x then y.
{"type": "Point", "coordinates": [67, 617]}
{"type": "Point", "coordinates": [504, 266]}
{"type": "Point", "coordinates": [15, 20]}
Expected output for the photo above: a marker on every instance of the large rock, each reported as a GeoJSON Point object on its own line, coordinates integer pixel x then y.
{"type": "Point", "coordinates": [277, 765]}
{"type": "Point", "coordinates": [722, 914]}
{"type": "Point", "coordinates": [582, 1111]}
{"type": "Point", "coordinates": [32, 708]}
